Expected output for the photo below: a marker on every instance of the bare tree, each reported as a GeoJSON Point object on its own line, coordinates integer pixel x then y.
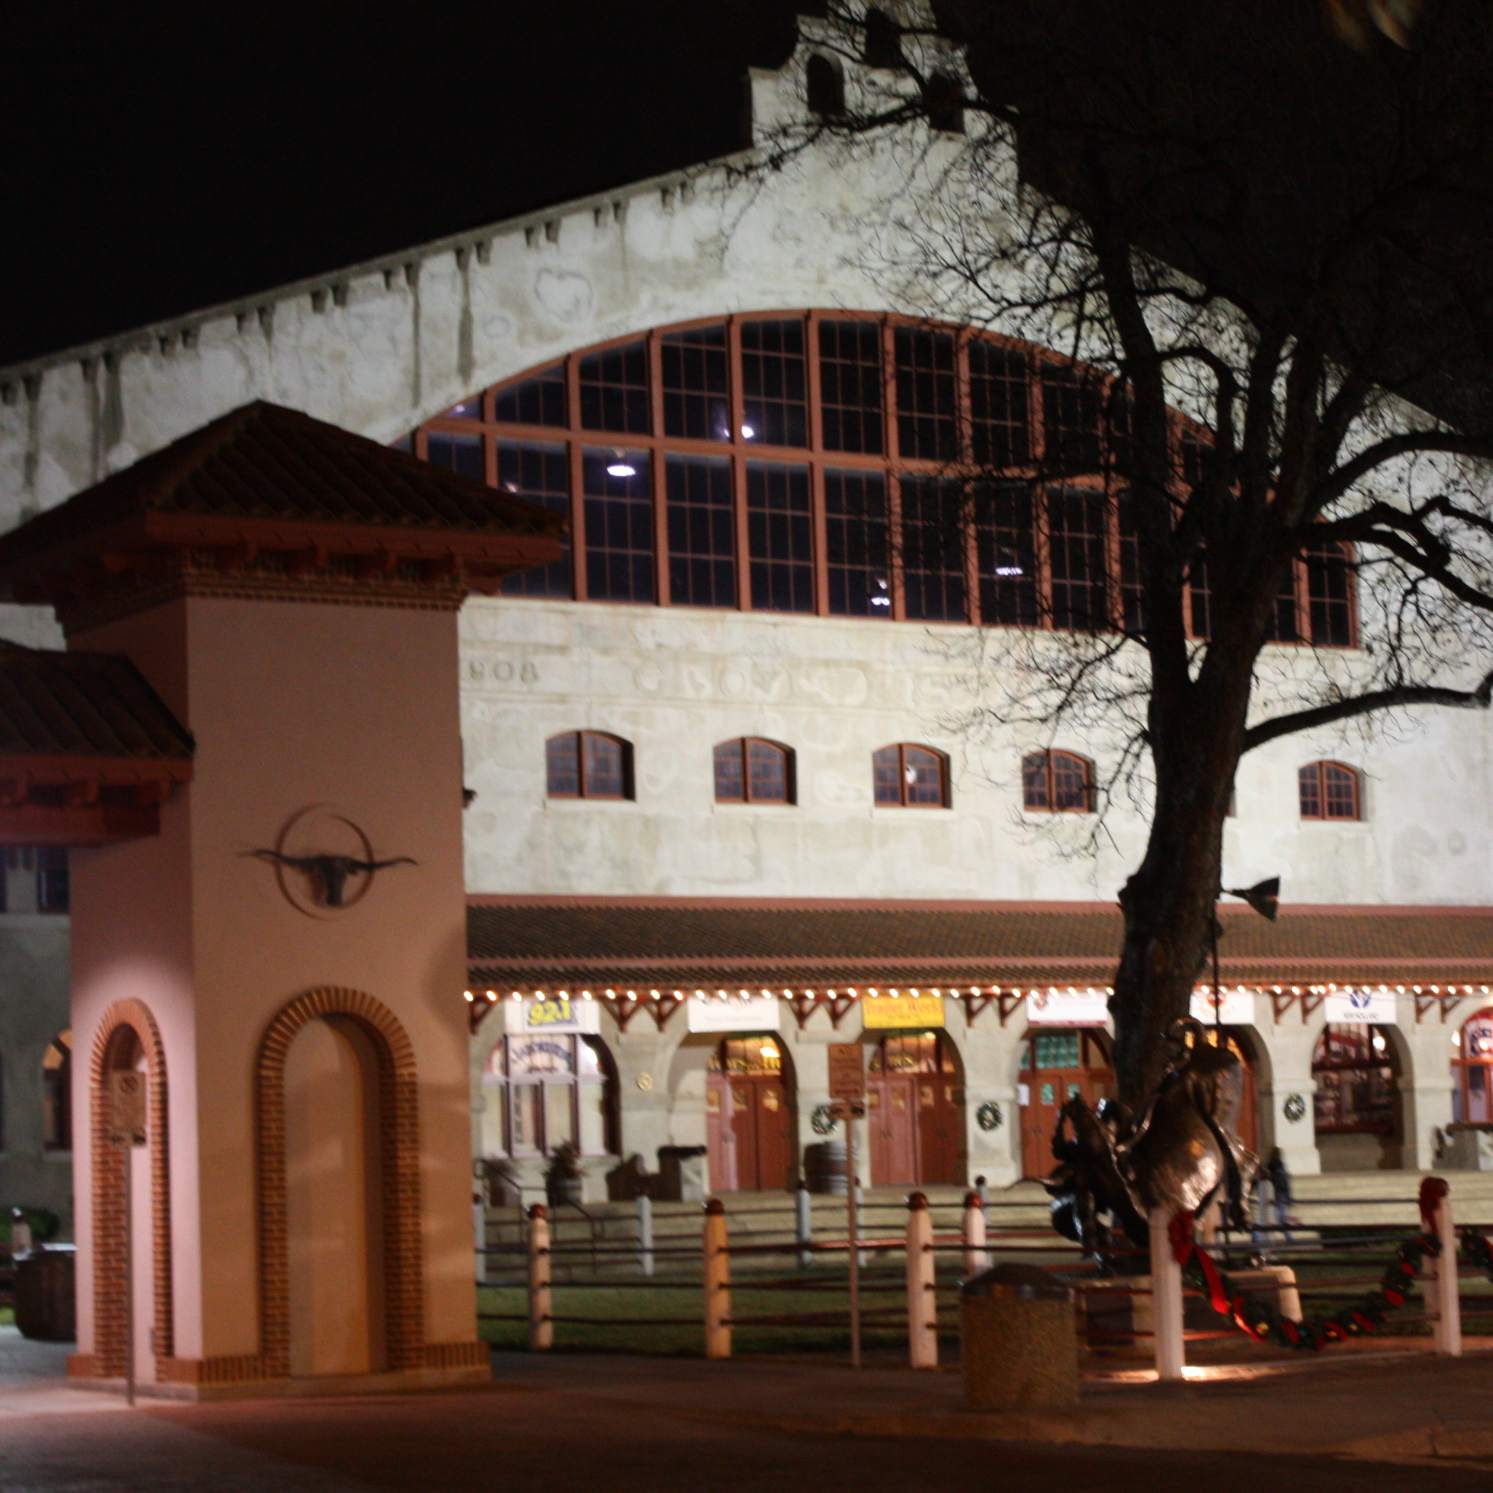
{"type": "Point", "coordinates": [1265, 255]}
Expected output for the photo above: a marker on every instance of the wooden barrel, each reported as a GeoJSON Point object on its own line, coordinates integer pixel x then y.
{"type": "Point", "coordinates": [826, 1168]}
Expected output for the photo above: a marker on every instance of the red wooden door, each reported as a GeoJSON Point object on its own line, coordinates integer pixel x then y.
{"type": "Point", "coordinates": [720, 1143]}
{"type": "Point", "coordinates": [772, 1144]}
{"type": "Point", "coordinates": [748, 1132]}
{"type": "Point", "coordinates": [940, 1128]}
{"type": "Point", "coordinates": [892, 1116]}
{"type": "Point", "coordinates": [1060, 1066]}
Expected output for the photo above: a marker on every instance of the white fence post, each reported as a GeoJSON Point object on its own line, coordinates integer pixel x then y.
{"type": "Point", "coordinates": [922, 1300]}
{"type": "Point", "coordinates": [803, 1224]}
{"type": "Point", "coordinates": [1447, 1328]}
{"type": "Point", "coordinates": [1166, 1299]}
{"type": "Point", "coordinates": [717, 1282]}
{"type": "Point", "coordinates": [541, 1321]}
{"type": "Point", "coordinates": [976, 1257]}
{"type": "Point", "coordinates": [645, 1233]}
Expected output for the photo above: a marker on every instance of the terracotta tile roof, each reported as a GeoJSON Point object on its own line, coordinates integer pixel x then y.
{"type": "Point", "coordinates": [534, 942]}
{"type": "Point", "coordinates": [85, 706]}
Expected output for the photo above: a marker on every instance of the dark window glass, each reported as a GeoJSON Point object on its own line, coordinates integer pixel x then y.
{"type": "Point", "coordinates": [780, 538]}
{"type": "Point", "coordinates": [1329, 596]}
{"type": "Point", "coordinates": [1117, 428]}
{"type": "Point", "coordinates": [730, 773]}
{"type": "Point", "coordinates": [52, 891]}
{"type": "Point", "coordinates": [457, 453]}
{"type": "Point", "coordinates": [1131, 599]}
{"type": "Point", "coordinates": [587, 764]}
{"type": "Point", "coordinates": [774, 381]}
{"type": "Point", "coordinates": [927, 401]}
{"type": "Point", "coordinates": [999, 411]}
{"type": "Point", "coordinates": [1007, 551]}
{"type": "Point", "coordinates": [697, 401]}
{"type": "Point", "coordinates": [909, 776]}
{"type": "Point", "coordinates": [850, 385]}
{"type": "Point", "coordinates": [860, 578]}
{"type": "Point", "coordinates": [1056, 782]}
{"type": "Point", "coordinates": [619, 525]}
{"type": "Point", "coordinates": [886, 771]}
{"type": "Point", "coordinates": [538, 474]}
{"type": "Point", "coordinates": [944, 99]}
{"type": "Point", "coordinates": [883, 40]}
{"type": "Point", "coordinates": [465, 409]}
{"type": "Point", "coordinates": [933, 528]}
{"type": "Point", "coordinates": [1076, 553]}
{"type": "Point", "coordinates": [562, 765]}
{"type": "Point", "coordinates": [614, 389]}
{"type": "Point", "coordinates": [1329, 791]}
{"type": "Point", "coordinates": [702, 532]}
{"type": "Point", "coordinates": [1282, 627]}
{"type": "Point", "coordinates": [749, 770]}
{"type": "Point", "coordinates": [56, 1093]}
{"type": "Point", "coordinates": [1192, 456]}
{"type": "Point", "coordinates": [1071, 406]}
{"type": "Point", "coordinates": [1036, 790]}
{"type": "Point", "coordinates": [1201, 597]}
{"type": "Point", "coordinates": [535, 401]}
{"type": "Point", "coordinates": [825, 87]}
{"type": "Point", "coordinates": [602, 766]}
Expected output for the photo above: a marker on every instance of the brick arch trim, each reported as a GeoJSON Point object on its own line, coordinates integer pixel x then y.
{"type": "Point", "coordinates": [399, 1152]}
{"type": "Point", "coordinates": [108, 1201]}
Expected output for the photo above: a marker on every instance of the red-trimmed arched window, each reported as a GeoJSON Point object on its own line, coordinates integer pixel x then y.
{"type": "Point", "coordinates": [1057, 782]}
{"type": "Point", "coordinates": [1472, 1070]}
{"type": "Point", "coordinates": [910, 777]}
{"type": "Point", "coordinates": [1330, 790]}
{"type": "Point", "coordinates": [588, 764]}
{"type": "Point", "coordinates": [751, 770]}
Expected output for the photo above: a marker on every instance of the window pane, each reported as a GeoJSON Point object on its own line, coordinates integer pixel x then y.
{"type": "Point", "coordinates": [524, 1101]}
{"type": "Point", "coordinates": [614, 389]}
{"type": "Point", "coordinates": [465, 409]}
{"type": "Point", "coordinates": [886, 768]}
{"type": "Point", "coordinates": [53, 893]}
{"type": "Point", "coordinates": [1132, 601]}
{"type": "Point", "coordinates": [780, 536]}
{"type": "Point", "coordinates": [604, 776]}
{"type": "Point", "coordinates": [1034, 793]}
{"type": "Point", "coordinates": [457, 453]}
{"type": "Point", "coordinates": [1310, 782]}
{"type": "Point", "coordinates": [730, 774]}
{"type": "Point", "coordinates": [1007, 552]}
{"type": "Point", "coordinates": [539, 474]}
{"type": "Point", "coordinates": [562, 763]}
{"type": "Point", "coordinates": [1071, 406]}
{"type": "Point", "coordinates": [926, 400]}
{"type": "Point", "coordinates": [767, 768]}
{"type": "Point", "coordinates": [998, 405]}
{"type": "Point", "coordinates": [774, 383]}
{"type": "Point", "coordinates": [1329, 596]}
{"type": "Point", "coordinates": [619, 525]}
{"type": "Point", "coordinates": [559, 1114]}
{"type": "Point", "coordinates": [1076, 530]}
{"type": "Point", "coordinates": [536, 401]}
{"type": "Point", "coordinates": [702, 532]}
{"type": "Point", "coordinates": [1282, 627]}
{"type": "Point", "coordinates": [933, 527]}
{"type": "Point", "coordinates": [850, 385]}
{"type": "Point", "coordinates": [922, 776]}
{"type": "Point", "coordinates": [1342, 792]}
{"type": "Point", "coordinates": [696, 399]}
{"type": "Point", "coordinates": [1202, 598]}
{"type": "Point", "coordinates": [1070, 782]}
{"type": "Point", "coordinates": [856, 537]}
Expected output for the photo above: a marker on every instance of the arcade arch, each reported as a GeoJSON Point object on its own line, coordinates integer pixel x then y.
{"type": "Point", "coordinates": [1058, 1064]}
{"type": "Point", "coordinates": [546, 1089]}
{"type": "Point", "coordinates": [1358, 1106]}
{"type": "Point", "coordinates": [915, 1109]}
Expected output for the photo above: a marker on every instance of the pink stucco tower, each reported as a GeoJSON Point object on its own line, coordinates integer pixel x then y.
{"type": "Point", "coordinates": [274, 935]}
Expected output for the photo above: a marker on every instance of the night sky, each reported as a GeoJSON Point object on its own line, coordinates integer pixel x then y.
{"type": "Point", "coordinates": [157, 161]}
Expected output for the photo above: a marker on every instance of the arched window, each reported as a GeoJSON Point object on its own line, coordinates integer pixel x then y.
{"type": "Point", "coordinates": [1353, 1068]}
{"type": "Point", "coordinates": [1329, 790]}
{"type": "Point", "coordinates": [1472, 1070]}
{"type": "Point", "coordinates": [56, 1093]}
{"type": "Point", "coordinates": [555, 1088]}
{"type": "Point", "coordinates": [750, 770]}
{"type": "Point", "coordinates": [914, 1052]}
{"type": "Point", "coordinates": [588, 764]}
{"type": "Point", "coordinates": [883, 46]}
{"type": "Point", "coordinates": [1057, 783]}
{"type": "Point", "coordinates": [943, 97]}
{"type": "Point", "coordinates": [826, 88]}
{"type": "Point", "coordinates": [911, 777]}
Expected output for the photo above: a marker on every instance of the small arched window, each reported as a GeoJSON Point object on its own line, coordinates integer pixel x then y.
{"type": "Point", "coordinates": [56, 1093]}
{"type": "Point", "coordinates": [911, 777]}
{"type": "Point", "coordinates": [588, 764]}
{"type": "Point", "coordinates": [1056, 782]}
{"type": "Point", "coordinates": [750, 770]}
{"type": "Point", "coordinates": [943, 97]}
{"type": "Point", "coordinates": [1329, 790]}
{"type": "Point", "coordinates": [883, 40]}
{"type": "Point", "coordinates": [826, 88]}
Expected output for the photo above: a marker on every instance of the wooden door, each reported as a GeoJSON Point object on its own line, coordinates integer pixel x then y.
{"type": "Point", "coordinates": [940, 1128]}
{"type": "Point", "coordinates": [720, 1141]}
{"type": "Point", "coordinates": [892, 1118]}
{"type": "Point", "coordinates": [771, 1143]}
{"type": "Point", "coordinates": [1039, 1118]}
{"type": "Point", "coordinates": [1060, 1066]}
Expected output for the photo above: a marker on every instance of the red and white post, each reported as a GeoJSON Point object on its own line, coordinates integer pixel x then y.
{"type": "Point", "coordinates": [1166, 1299]}
{"type": "Point", "coordinates": [922, 1300]}
{"type": "Point", "coordinates": [717, 1282]}
{"type": "Point", "coordinates": [541, 1319]}
{"type": "Point", "coordinates": [1446, 1330]}
{"type": "Point", "coordinates": [976, 1256]}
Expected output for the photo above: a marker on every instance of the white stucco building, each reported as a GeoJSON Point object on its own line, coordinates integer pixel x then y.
{"type": "Point", "coordinates": [718, 756]}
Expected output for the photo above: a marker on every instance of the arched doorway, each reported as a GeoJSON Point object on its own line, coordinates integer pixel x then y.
{"type": "Point", "coordinates": [1237, 1043]}
{"type": "Point", "coordinates": [1056, 1066]}
{"type": "Point", "coordinates": [915, 1110]}
{"type": "Point", "coordinates": [749, 1093]}
{"type": "Point", "coordinates": [1472, 1070]}
{"type": "Point", "coordinates": [542, 1091]}
{"type": "Point", "coordinates": [1357, 1101]}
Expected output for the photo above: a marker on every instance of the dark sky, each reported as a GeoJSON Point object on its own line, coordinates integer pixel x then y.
{"type": "Point", "coordinates": [156, 161]}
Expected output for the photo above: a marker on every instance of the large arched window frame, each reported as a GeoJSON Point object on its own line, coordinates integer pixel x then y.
{"type": "Point", "coordinates": [1057, 782]}
{"type": "Point", "coordinates": [1353, 1067]}
{"type": "Point", "coordinates": [588, 764]}
{"type": "Point", "coordinates": [1330, 790]}
{"type": "Point", "coordinates": [554, 1088]}
{"type": "Point", "coordinates": [832, 463]}
{"type": "Point", "coordinates": [907, 775]}
{"type": "Point", "coordinates": [753, 770]}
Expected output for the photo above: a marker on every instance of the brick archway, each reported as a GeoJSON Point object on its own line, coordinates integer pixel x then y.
{"type": "Point", "coordinates": [399, 1152]}
{"type": "Point", "coordinates": [109, 1285]}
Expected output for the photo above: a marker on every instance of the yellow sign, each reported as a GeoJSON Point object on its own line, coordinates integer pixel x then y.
{"type": "Point", "coordinates": [547, 1013]}
{"type": "Point", "coordinates": [879, 1013]}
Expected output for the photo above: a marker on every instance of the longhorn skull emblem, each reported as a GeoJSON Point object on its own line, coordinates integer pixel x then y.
{"type": "Point", "coordinates": [329, 873]}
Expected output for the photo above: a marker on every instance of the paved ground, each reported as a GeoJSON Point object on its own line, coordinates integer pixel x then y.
{"type": "Point", "coordinates": [593, 1422]}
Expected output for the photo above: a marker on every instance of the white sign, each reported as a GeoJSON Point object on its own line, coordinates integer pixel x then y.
{"type": "Point", "coordinates": [1233, 1008]}
{"type": "Point", "coordinates": [1068, 1008]}
{"type": "Point", "coordinates": [1374, 1007]}
{"type": "Point", "coordinates": [555, 1013]}
{"type": "Point", "coordinates": [757, 1013]}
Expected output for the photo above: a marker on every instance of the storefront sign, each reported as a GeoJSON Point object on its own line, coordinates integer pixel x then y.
{"type": "Point", "coordinates": [884, 1012]}
{"type": "Point", "coordinates": [1068, 1008]}
{"type": "Point", "coordinates": [555, 1013]}
{"type": "Point", "coordinates": [1374, 1007]}
{"type": "Point", "coordinates": [847, 1070]}
{"type": "Point", "coordinates": [757, 1013]}
{"type": "Point", "coordinates": [1233, 1008]}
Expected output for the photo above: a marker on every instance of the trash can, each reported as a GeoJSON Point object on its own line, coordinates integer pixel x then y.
{"type": "Point", "coordinates": [45, 1293]}
{"type": "Point", "coordinates": [1019, 1340]}
{"type": "Point", "coordinates": [681, 1172]}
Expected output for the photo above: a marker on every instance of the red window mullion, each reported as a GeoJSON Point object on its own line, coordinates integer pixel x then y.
{"type": "Point", "coordinates": [738, 467]}
{"type": "Point", "coordinates": [577, 478]}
